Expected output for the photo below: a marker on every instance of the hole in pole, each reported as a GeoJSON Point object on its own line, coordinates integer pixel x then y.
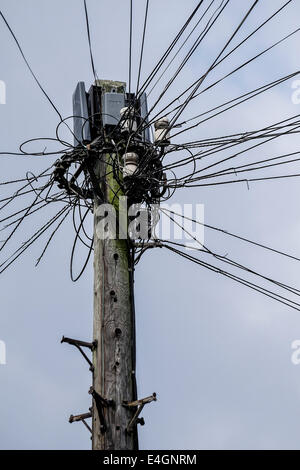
{"type": "Point", "coordinates": [118, 332]}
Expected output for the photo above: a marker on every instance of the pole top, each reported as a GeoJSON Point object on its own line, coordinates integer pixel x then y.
{"type": "Point", "coordinates": [111, 86]}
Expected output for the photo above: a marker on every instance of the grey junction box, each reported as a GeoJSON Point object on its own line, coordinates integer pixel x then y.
{"type": "Point", "coordinates": [112, 105]}
{"type": "Point", "coordinates": [81, 115]}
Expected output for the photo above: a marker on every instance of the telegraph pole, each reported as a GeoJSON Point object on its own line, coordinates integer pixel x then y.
{"type": "Point", "coordinates": [113, 151]}
{"type": "Point", "coordinates": [114, 382]}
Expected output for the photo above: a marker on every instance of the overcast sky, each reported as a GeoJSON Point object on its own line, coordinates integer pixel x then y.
{"type": "Point", "coordinates": [217, 354]}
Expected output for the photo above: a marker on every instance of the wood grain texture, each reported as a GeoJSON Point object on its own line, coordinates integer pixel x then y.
{"type": "Point", "coordinates": [113, 376]}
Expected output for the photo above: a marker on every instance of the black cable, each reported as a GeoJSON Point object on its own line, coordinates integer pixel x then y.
{"type": "Point", "coordinates": [262, 290]}
{"type": "Point", "coordinates": [89, 40]}
{"type": "Point", "coordinates": [194, 47]}
{"type": "Point", "coordinates": [225, 259]}
{"type": "Point", "coordinates": [180, 48]}
{"type": "Point", "coordinates": [169, 49]}
{"type": "Point", "coordinates": [244, 138]}
{"type": "Point", "coordinates": [24, 246]}
{"type": "Point", "coordinates": [239, 237]}
{"type": "Point", "coordinates": [162, 112]}
{"type": "Point", "coordinates": [130, 48]}
{"type": "Point", "coordinates": [142, 47]}
{"type": "Point", "coordinates": [29, 67]}
{"type": "Point", "coordinates": [194, 91]}
{"type": "Point", "coordinates": [246, 97]}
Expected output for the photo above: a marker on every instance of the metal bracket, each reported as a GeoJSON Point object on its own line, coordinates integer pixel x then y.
{"type": "Point", "coordinates": [139, 404]}
{"type": "Point", "coordinates": [82, 418]}
{"type": "Point", "coordinates": [101, 403]}
{"type": "Point", "coordinates": [79, 344]}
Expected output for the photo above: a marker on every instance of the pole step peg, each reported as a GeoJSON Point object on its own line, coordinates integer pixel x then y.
{"type": "Point", "coordinates": [101, 403]}
{"type": "Point", "coordinates": [82, 418]}
{"type": "Point", "coordinates": [139, 404]}
{"type": "Point", "coordinates": [79, 344]}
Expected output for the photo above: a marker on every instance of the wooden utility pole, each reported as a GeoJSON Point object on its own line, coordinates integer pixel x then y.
{"type": "Point", "coordinates": [111, 148]}
{"type": "Point", "coordinates": [114, 381]}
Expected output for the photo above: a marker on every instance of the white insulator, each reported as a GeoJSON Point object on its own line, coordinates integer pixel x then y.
{"type": "Point", "coordinates": [130, 160]}
{"type": "Point", "coordinates": [128, 122]}
{"type": "Point", "coordinates": [162, 134]}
